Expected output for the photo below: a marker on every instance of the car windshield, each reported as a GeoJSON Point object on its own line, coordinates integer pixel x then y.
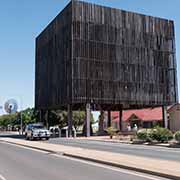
{"type": "Point", "coordinates": [38, 127]}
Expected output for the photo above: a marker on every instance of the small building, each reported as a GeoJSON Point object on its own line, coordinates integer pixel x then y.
{"type": "Point", "coordinates": [143, 118]}
{"type": "Point", "coordinates": [174, 117]}
{"type": "Point", "coordinates": [148, 118]}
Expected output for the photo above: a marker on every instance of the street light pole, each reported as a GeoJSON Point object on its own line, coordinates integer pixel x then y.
{"type": "Point", "coordinates": [21, 115]}
{"type": "Point", "coordinates": [21, 123]}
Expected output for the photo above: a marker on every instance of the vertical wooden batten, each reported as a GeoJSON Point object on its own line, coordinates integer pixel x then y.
{"type": "Point", "coordinates": [109, 56]}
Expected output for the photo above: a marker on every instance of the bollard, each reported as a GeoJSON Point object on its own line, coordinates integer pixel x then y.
{"type": "Point", "coordinates": [74, 133]}
{"type": "Point", "coordinates": [59, 132]}
{"type": "Point", "coordinates": [67, 133]}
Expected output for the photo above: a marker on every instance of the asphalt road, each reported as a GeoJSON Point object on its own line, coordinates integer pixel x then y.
{"type": "Point", "coordinates": [138, 150]}
{"type": "Point", "coordinates": [21, 163]}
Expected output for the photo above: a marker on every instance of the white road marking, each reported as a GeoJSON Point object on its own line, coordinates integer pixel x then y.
{"type": "Point", "coordinates": [20, 146]}
{"type": "Point", "coordinates": [2, 177]}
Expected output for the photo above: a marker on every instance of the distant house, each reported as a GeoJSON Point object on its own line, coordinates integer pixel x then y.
{"type": "Point", "coordinates": [174, 117]}
{"type": "Point", "coordinates": [148, 118]}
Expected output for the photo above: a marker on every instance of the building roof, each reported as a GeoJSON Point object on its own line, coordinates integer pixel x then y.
{"type": "Point", "coordinates": [148, 114]}
{"type": "Point", "coordinates": [174, 107]}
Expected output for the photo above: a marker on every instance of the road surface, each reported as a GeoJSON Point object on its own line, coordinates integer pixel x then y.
{"type": "Point", "coordinates": [21, 163]}
{"type": "Point", "coordinates": [138, 150]}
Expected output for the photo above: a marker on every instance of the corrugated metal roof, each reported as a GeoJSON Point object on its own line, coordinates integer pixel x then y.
{"type": "Point", "coordinates": [149, 114]}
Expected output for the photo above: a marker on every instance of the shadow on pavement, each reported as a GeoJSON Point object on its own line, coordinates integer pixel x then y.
{"type": "Point", "coordinates": [9, 135]}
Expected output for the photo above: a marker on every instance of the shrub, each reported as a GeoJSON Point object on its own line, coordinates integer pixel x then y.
{"type": "Point", "coordinates": [142, 134]}
{"type": "Point", "coordinates": [111, 131]}
{"type": "Point", "coordinates": [161, 134]}
{"type": "Point", "coordinates": [177, 136]}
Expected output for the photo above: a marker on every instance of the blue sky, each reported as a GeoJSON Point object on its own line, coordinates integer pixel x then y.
{"type": "Point", "coordinates": [21, 21]}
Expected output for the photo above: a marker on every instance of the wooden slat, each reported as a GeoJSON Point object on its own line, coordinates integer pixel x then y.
{"type": "Point", "coordinates": [119, 58]}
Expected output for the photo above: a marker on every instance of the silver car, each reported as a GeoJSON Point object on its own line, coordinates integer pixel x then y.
{"type": "Point", "coordinates": [36, 131]}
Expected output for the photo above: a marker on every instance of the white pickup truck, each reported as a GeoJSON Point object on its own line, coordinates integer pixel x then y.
{"type": "Point", "coordinates": [36, 131]}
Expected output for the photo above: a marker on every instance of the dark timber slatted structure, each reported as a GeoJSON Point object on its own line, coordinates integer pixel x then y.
{"type": "Point", "coordinates": [106, 57]}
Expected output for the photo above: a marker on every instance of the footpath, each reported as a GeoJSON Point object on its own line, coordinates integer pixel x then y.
{"type": "Point", "coordinates": [162, 168]}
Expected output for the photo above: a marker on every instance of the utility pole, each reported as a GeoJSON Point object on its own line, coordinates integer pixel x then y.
{"type": "Point", "coordinates": [21, 122]}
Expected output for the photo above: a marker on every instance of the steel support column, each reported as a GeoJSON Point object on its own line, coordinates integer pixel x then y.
{"type": "Point", "coordinates": [69, 120]}
{"type": "Point", "coordinates": [47, 119]}
{"type": "Point", "coordinates": [40, 115]}
{"type": "Point", "coordinates": [88, 119]}
{"type": "Point", "coordinates": [120, 119]}
{"type": "Point", "coordinates": [109, 118]}
{"type": "Point", "coordinates": [165, 117]}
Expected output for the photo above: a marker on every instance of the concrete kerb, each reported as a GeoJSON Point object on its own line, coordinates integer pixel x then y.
{"type": "Point", "coordinates": [141, 170]}
{"type": "Point", "coordinates": [110, 141]}
{"type": "Point", "coordinates": [134, 143]}
{"type": "Point", "coordinates": [164, 175]}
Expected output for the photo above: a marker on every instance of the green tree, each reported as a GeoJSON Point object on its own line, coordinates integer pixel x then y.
{"type": "Point", "coordinates": [78, 118]}
{"type": "Point", "coordinates": [57, 118]}
{"type": "Point", "coordinates": [60, 118]}
{"type": "Point", "coordinates": [28, 116]}
{"type": "Point", "coordinates": [9, 119]}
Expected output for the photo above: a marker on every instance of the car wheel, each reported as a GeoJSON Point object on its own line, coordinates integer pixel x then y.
{"type": "Point", "coordinates": [47, 138]}
{"type": "Point", "coordinates": [32, 138]}
{"type": "Point", "coordinates": [26, 137]}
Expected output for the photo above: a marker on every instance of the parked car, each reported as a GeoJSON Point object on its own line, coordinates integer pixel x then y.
{"type": "Point", "coordinates": [36, 131]}
{"type": "Point", "coordinates": [55, 131]}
